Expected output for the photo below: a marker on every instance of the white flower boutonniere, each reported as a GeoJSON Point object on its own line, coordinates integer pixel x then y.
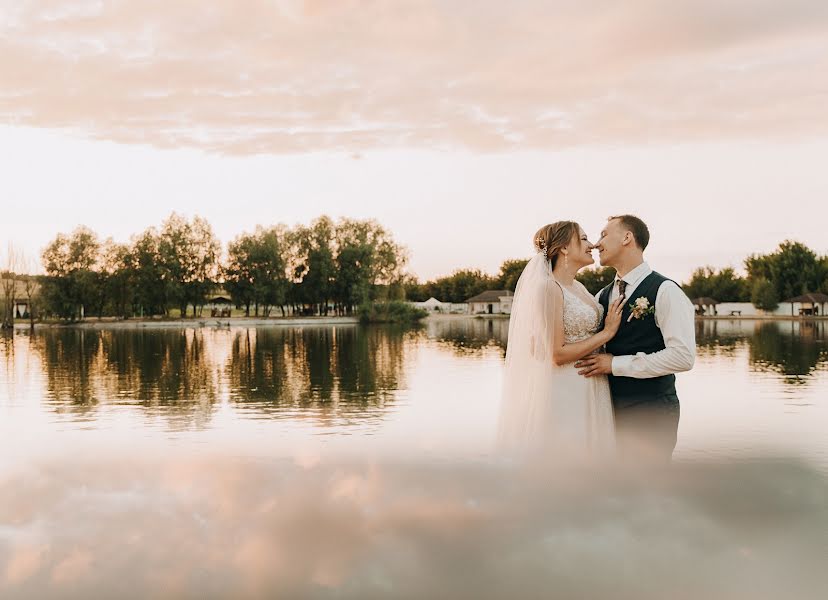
{"type": "Point", "coordinates": [640, 309]}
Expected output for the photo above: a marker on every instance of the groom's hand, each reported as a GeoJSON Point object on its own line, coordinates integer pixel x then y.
{"type": "Point", "coordinates": [597, 364]}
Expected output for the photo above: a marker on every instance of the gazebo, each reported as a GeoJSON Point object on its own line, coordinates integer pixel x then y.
{"type": "Point", "coordinates": [813, 303]}
{"type": "Point", "coordinates": [220, 305]}
{"type": "Point", "coordinates": [703, 304]}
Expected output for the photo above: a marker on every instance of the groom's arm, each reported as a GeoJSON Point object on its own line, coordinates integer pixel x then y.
{"type": "Point", "coordinates": [675, 317]}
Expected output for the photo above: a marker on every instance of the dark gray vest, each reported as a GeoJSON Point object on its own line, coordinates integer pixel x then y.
{"type": "Point", "coordinates": [638, 335]}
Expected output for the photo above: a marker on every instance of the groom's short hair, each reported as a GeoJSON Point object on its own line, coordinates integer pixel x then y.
{"type": "Point", "coordinates": [637, 227]}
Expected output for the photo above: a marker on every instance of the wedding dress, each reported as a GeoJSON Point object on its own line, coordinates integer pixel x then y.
{"type": "Point", "coordinates": [549, 411]}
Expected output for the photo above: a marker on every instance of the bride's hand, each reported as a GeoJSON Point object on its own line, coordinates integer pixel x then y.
{"type": "Point", "coordinates": [613, 320]}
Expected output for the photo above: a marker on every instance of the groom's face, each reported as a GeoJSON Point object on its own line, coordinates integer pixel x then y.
{"type": "Point", "coordinates": [611, 243]}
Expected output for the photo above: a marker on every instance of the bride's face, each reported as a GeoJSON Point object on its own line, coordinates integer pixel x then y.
{"type": "Point", "coordinates": [580, 250]}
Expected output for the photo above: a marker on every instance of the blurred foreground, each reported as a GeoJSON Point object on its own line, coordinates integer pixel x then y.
{"type": "Point", "coordinates": [306, 527]}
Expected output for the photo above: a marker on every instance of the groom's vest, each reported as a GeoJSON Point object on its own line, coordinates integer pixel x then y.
{"type": "Point", "coordinates": [638, 335]}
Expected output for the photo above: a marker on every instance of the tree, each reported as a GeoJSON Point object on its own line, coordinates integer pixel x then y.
{"type": "Point", "coordinates": [724, 285]}
{"type": "Point", "coordinates": [271, 268]}
{"type": "Point", "coordinates": [189, 254]}
{"type": "Point", "coordinates": [238, 277]}
{"type": "Point", "coordinates": [764, 295]}
{"type": "Point", "coordinates": [510, 272]}
{"type": "Point", "coordinates": [146, 274]}
{"type": "Point", "coordinates": [368, 263]}
{"type": "Point", "coordinates": [460, 285]}
{"type": "Point", "coordinates": [413, 290]}
{"type": "Point", "coordinates": [793, 269]}
{"type": "Point", "coordinates": [596, 279]}
{"type": "Point", "coordinates": [72, 282]}
{"type": "Point", "coordinates": [312, 265]}
{"type": "Point", "coordinates": [116, 278]}
{"type": "Point", "coordinates": [8, 282]}
{"type": "Point", "coordinates": [256, 269]}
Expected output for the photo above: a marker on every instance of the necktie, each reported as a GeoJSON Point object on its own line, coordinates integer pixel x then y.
{"type": "Point", "coordinates": [622, 288]}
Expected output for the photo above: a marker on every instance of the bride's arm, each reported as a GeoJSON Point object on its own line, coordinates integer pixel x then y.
{"type": "Point", "coordinates": [563, 353]}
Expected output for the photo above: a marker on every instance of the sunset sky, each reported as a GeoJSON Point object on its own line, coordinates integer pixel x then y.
{"type": "Point", "coordinates": [462, 126]}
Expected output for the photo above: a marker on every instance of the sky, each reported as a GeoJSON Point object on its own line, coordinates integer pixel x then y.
{"type": "Point", "coordinates": [461, 126]}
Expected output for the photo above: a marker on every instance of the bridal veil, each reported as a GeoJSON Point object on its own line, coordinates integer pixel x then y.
{"type": "Point", "coordinates": [528, 375]}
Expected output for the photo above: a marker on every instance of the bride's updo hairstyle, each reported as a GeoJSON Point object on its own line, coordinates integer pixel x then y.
{"type": "Point", "coordinates": [551, 238]}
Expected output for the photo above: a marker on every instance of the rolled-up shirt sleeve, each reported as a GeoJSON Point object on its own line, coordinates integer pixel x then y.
{"type": "Point", "coordinates": [675, 317]}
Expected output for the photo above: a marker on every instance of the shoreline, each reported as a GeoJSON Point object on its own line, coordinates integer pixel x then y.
{"type": "Point", "coordinates": [229, 322]}
{"type": "Point", "coordinates": [195, 323]}
{"type": "Point", "coordinates": [760, 318]}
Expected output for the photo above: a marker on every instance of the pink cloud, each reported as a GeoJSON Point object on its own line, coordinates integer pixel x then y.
{"type": "Point", "coordinates": [263, 76]}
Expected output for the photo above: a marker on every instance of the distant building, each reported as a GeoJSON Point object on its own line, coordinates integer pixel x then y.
{"type": "Point", "coordinates": [220, 304]}
{"type": "Point", "coordinates": [814, 303]}
{"type": "Point", "coordinates": [433, 305]}
{"type": "Point", "coordinates": [705, 306]}
{"type": "Point", "coordinates": [20, 299]}
{"type": "Point", "coordinates": [491, 302]}
{"type": "Point", "coordinates": [436, 306]}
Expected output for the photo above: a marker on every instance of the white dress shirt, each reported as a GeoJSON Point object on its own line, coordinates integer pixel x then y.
{"type": "Point", "coordinates": [674, 315]}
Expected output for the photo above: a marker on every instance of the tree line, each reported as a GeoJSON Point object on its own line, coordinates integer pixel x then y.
{"type": "Point", "coordinates": [466, 283]}
{"type": "Point", "coordinates": [322, 267]}
{"type": "Point", "coordinates": [314, 269]}
{"type": "Point", "coordinates": [790, 270]}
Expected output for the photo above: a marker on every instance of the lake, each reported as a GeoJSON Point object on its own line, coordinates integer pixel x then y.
{"type": "Point", "coordinates": [355, 461]}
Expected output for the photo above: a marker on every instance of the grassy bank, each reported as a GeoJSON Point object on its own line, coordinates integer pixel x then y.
{"type": "Point", "coordinates": [391, 312]}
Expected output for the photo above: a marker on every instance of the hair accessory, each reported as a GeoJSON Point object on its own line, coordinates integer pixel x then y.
{"type": "Point", "coordinates": [541, 244]}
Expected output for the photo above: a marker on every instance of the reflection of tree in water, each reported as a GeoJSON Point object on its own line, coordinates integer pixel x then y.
{"type": "Point", "coordinates": [70, 358]}
{"type": "Point", "coordinates": [720, 338]}
{"type": "Point", "coordinates": [470, 336]}
{"type": "Point", "coordinates": [337, 371]}
{"type": "Point", "coordinates": [168, 372]}
{"type": "Point", "coordinates": [793, 348]}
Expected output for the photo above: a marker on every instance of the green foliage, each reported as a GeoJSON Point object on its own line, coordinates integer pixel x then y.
{"type": "Point", "coordinates": [367, 262]}
{"type": "Point", "coordinates": [764, 295]}
{"type": "Point", "coordinates": [460, 285]}
{"type": "Point", "coordinates": [596, 279]}
{"type": "Point", "coordinates": [313, 269]}
{"type": "Point", "coordinates": [793, 269]}
{"type": "Point", "coordinates": [145, 273]}
{"type": "Point", "coordinates": [724, 285]}
{"type": "Point", "coordinates": [393, 311]}
{"type": "Point", "coordinates": [188, 253]}
{"type": "Point", "coordinates": [256, 271]}
{"type": "Point", "coordinates": [350, 263]}
{"type": "Point", "coordinates": [71, 284]}
{"type": "Point", "coordinates": [510, 272]}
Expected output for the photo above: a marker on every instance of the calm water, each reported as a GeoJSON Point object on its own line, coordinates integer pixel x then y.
{"type": "Point", "coordinates": [757, 386]}
{"type": "Point", "coordinates": [356, 461]}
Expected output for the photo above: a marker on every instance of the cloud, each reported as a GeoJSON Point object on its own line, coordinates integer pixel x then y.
{"type": "Point", "coordinates": [286, 76]}
{"type": "Point", "coordinates": [135, 527]}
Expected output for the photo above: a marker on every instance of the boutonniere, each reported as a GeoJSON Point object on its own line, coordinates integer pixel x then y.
{"type": "Point", "coordinates": [640, 309]}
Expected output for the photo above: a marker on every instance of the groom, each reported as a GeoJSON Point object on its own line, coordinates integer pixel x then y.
{"type": "Point", "coordinates": [657, 339]}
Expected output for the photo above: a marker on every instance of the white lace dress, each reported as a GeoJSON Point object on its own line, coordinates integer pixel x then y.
{"type": "Point", "coordinates": [574, 421]}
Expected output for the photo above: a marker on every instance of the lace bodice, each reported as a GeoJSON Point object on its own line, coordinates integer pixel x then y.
{"type": "Point", "coordinates": [581, 320]}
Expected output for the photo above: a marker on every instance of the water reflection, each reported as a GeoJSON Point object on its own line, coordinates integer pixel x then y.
{"type": "Point", "coordinates": [183, 374]}
{"type": "Point", "coordinates": [337, 379]}
{"type": "Point", "coordinates": [217, 527]}
{"type": "Point", "coordinates": [344, 370]}
{"type": "Point", "coordinates": [168, 372]}
{"type": "Point", "coordinates": [795, 348]}
{"type": "Point", "coordinates": [468, 337]}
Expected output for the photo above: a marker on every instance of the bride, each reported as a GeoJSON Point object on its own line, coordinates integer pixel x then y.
{"type": "Point", "coordinates": [549, 411]}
